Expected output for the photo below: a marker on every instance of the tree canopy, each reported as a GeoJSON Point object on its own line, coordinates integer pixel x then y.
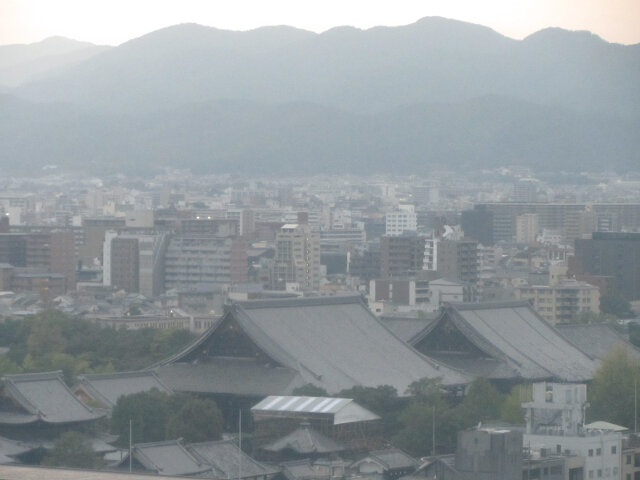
{"type": "Point", "coordinates": [72, 449]}
{"type": "Point", "coordinates": [612, 391]}
{"type": "Point", "coordinates": [157, 416]}
{"type": "Point", "coordinates": [52, 340]}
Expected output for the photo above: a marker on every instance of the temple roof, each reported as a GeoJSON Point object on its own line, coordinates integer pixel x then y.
{"type": "Point", "coordinates": [108, 387]}
{"type": "Point", "coordinates": [514, 334]}
{"type": "Point", "coordinates": [217, 459]}
{"type": "Point", "coordinates": [597, 339]}
{"type": "Point", "coordinates": [44, 397]}
{"type": "Point", "coordinates": [332, 342]}
{"type": "Point", "coordinates": [304, 440]}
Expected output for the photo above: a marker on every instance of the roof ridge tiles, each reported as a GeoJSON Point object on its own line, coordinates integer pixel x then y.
{"type": "Point", "coordinates": [298, 302]}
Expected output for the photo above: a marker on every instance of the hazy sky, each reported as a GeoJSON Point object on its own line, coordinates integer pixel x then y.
{"type": "Point", "coordinates": [115, 21]}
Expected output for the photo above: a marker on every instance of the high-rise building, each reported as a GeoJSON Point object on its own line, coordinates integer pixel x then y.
{"type": "Point", "coordinates": [402, 220]}
{"type": "Point", "coordinates": [458, 259]}
{"type": "Point", "coordinates": [611, 254]}
{"type": "Point", "coordinates": [205, 261]}
{"type": "Point", "coordinates": [119, 263]}
{"type": "Point", "coordinates": [401, 255]}
{"type": "Point", "coordinates": [527, 228]}
{"type": "Point", "coordinates": [297, 258]}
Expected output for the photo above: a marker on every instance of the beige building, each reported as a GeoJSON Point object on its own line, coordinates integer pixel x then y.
{"type": "Point", "coordinates": [527, 228]}
{"type": "Point", "coordinates": [297, 258]}
{"type": "Point", "coordinates": [559, 303]}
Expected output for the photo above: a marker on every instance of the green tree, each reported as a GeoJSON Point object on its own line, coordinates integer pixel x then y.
{"type": "Point", "coordinates": [512, 411]}
{"type": "Point", "coordinates": [481, 403]}
{"type": "Point", "coordinates": [197, 420]}
{"type": "Point", "coordinates": [612, 391]}
{"type": "Point", "coordinates": [72, 449]}
{"type": "Point", "coordinates": [418, 428]}
{"type": "Point", "coordinates": [382, 400]}
{"type": "Point", "coordinates": [615, 305]}
{"type": "Point", "coordinates": [149, 413]}
{"type": "Point", "coordinates": [310, 390]}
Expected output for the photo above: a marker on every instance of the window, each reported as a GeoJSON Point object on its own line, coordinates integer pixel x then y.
{"type": "Point", "coordinates": [591, 452]}
{"type": "Point", "coordinates": [598, 452]}
{"type": "Point", "coordinates": [614, 449]}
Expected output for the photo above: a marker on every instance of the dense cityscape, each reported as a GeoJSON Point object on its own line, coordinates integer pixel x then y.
{"type": "Point", "coordinates": [319, 240]}
{"type": "Point", "coordinates": [414, 307]}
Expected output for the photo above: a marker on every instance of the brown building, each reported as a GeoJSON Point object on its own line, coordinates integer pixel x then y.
{"type": "Point", "coordinates": [125, 264]}
{"type": "Point", "coordinates": [401, 255]}
{"type": "Point", "coordinates": [458, 259]}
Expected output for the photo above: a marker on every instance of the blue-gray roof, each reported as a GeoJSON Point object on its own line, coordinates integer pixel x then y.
{"type": "Point", "coordinates": [108, 387]}
{"type": "Point", "coordinates": [512, 332]}
{"type": "Point", "coordinates": [45, 397]}
{"type": "Point", "coordinates": [217, 459]}
{"type": "Point", "coordinates": [305, 441]}
{"type": "Point", "coordinates": [597, 339]}
{"type": "Point", "coordinates": [332, 342]}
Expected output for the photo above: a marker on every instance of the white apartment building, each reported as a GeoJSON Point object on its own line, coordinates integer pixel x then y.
{"type": "Point", "coordinates": [402, 220]}
{"type": "Point", "coordinates": [555, 422]}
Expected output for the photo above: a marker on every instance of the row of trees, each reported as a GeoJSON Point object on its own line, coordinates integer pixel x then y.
{"type": "Point", "coordinates": [52, 340]}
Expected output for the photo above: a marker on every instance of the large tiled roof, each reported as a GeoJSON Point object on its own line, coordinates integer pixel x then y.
{"type": "Point", "coordinates": [235, 376]}
{"type": "Point", "coordinates": [108, 387]}
{"type": "Point", "coordinates": [229, 462]}
{"type": "Point", "coordinates": [217, 459]}
{"type": "Point", "coordinates": [168, 458]}
{"type": "Point", "coordinates": [305, 441]}
{"type": "Point", "coordinates": [332, 342]}
{"type": "Point", "coordinates": [597, 339]}
{"type": "Point", "coordinates": [45, 397]}
{"type": "Point", "coordinates": [515, 334]}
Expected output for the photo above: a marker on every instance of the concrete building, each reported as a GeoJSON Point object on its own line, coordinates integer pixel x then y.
{"type": "Point", "coordinates": [197, 261]}
{"type": "Point", "coordinates": [297, 258]}
{"type": "Point", "coordinates": [458, 259]}
{"type": "Point", "coordinates": [527, 228]}
{"type": "Point", "coordinates": [559, 303]}
{"type": "Point", "coordinates": [402, 220]}
{"type": "Point", "coordinates": [555, 421]}
{"type": "Point", "coordinates": [401, 255]}
{"type": "Point", "coordinates": [611, 254]}
{"type": "Point", "coordinates": [496, 222]}
{"type": "Point", "coordinates": [121, 270]}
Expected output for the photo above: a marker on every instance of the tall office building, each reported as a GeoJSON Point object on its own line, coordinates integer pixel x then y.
{"type": "Point", "coordinates": [205, 261]}
{"type": "Point", "coordinates": [458, 259]}
{"type": "Point", "coordinates": [611, 254]}
{"type": "Point", "coordinates": [297, 257]}
{"type": "Point", "coordinates": [401, 255]}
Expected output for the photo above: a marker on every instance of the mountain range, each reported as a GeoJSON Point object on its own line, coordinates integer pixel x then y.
{"type": "Point", "coordinates": [282, 100]}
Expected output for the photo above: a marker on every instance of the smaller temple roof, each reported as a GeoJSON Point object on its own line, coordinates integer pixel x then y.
{"type": "Point", "coordinates": [390, 459]}
{"type": "Point", "coordinates": [217, 459]}
{"type": "Point", "coordinates": [236, 376]}
{"type": "Point", "coordinates": [597, 339]}
{"type": "Point", "coordinates": [229, 461]}
{"type": "Point", "coordinates": [343, 410]}
{"type": "Point", "coordinates": [304, 440]}
{"type": "Point", "coordinates": [44, 397]}
{"type": "Point", "coordinates": [167, 458]}
{"type": "Point", "coordinates": [108, 387]}
{"type": "Point", "coordinates": [513, 333]}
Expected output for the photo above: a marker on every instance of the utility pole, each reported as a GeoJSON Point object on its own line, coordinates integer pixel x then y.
{"type": "Point", "coordinates": [635, 405]}
{"type": "Point", "coordinates": [433, 431]}
{"type": "Point", "coordinates": [130, 443]}
{"type": "Point", "coordinates": [240, 444]}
